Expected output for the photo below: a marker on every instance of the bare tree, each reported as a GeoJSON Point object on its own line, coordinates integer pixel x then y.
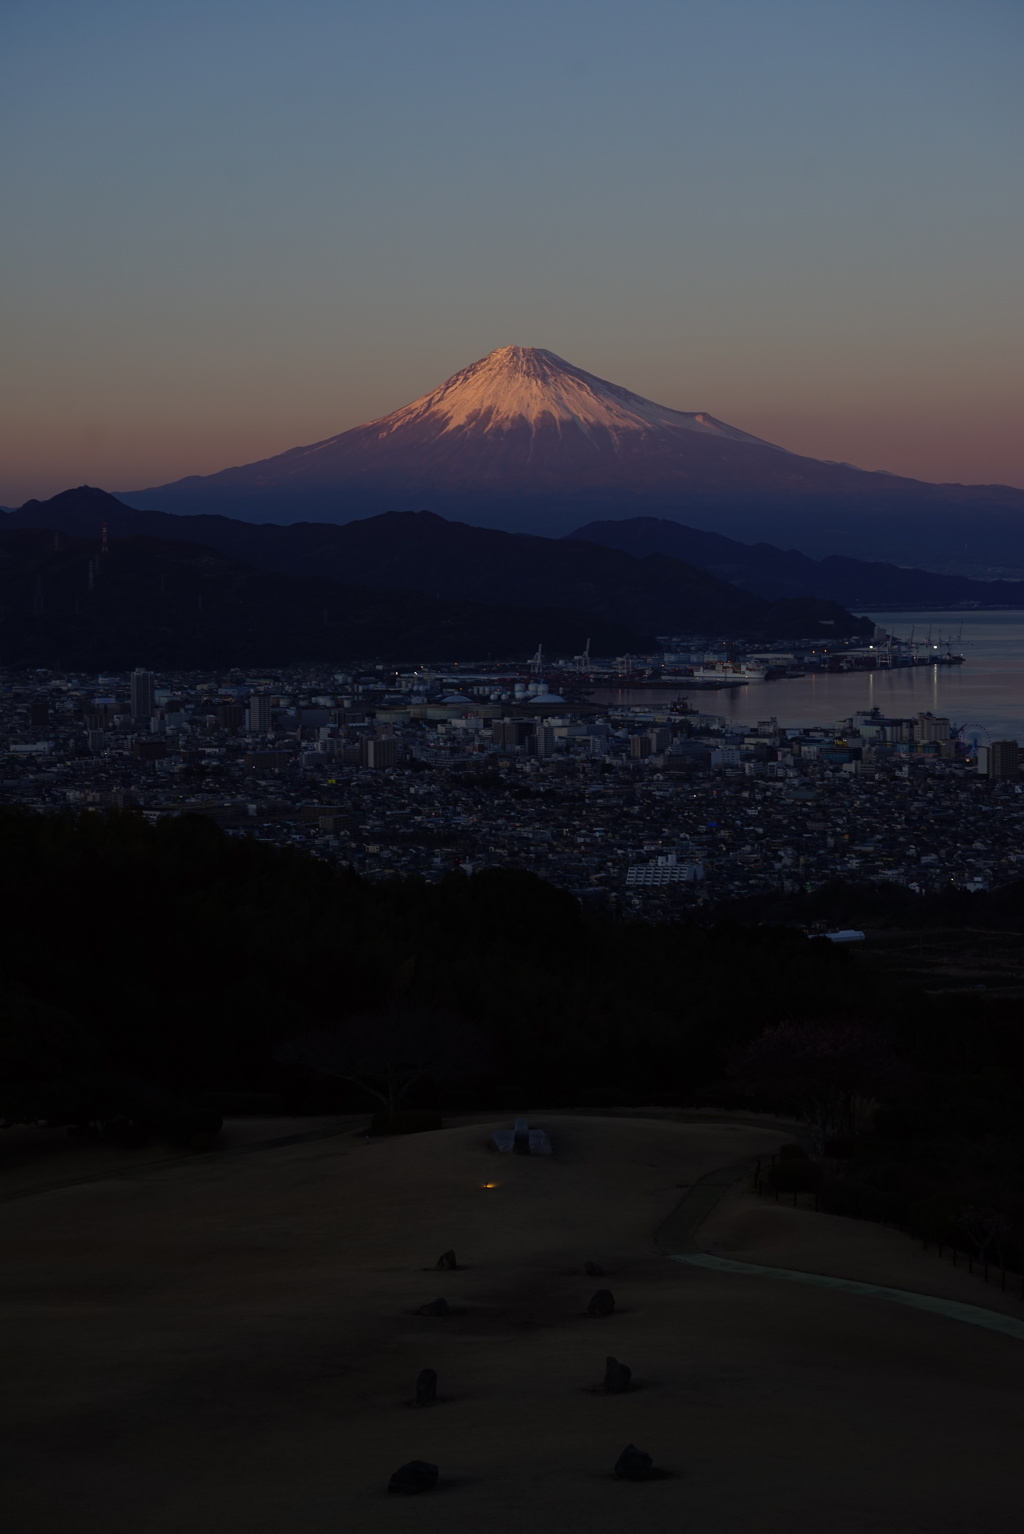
{"type": "Point", "coordinates": [386, 1053]}
{"type": "Point", "coordinates": [821, 1069]}
{"type": "Point", "coordinates": [986, 1229]}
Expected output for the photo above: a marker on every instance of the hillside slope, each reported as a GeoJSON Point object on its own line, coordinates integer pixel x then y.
{"type": "Point", "coordinates": [417, 551]}
{"type": "Point", "coordinates": [66, 604]}
{"type": "Point", "coordinates": [772, 572]}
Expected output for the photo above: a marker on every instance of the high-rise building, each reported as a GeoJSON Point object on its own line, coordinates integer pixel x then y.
{"type": "Point", "coordinates": [507, 734]}
{"type": "Point", "coordinates": [932, 727]}
{"type": "Point", "coordinates": [230, 716]}
{"type": "Point", "coordinates": [1004, 759]}
{"type": "Point", "coordinates": [379, 751]}
{"type": "Point", "coordinates": [259, 717]}
{"type": "Point", "coordinates": [142, 693]}
{"type": "Point", "coordinates": [640, 746]}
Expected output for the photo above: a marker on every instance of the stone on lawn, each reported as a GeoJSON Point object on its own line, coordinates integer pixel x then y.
{"type": "Point", "coordinates": [426, 1387]}
{"type": "Point", "coordinates": [447, 1261]}
{"type": "Point", "coordinates": [417, 1475]}
{"type": "Point", "coordinates": [616, 1376]}
{"type": "Point", "coordinates": [593, 1270]}
{"type": "Point", "coordinates": [602, 1303]}
{"type": "Point", "coordinates": [633, 1464]}
{"type": "Point", "coordinates": [435, 1308]}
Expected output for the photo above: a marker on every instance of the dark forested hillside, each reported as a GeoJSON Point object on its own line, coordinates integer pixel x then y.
{"type": "Point", "coordinates": [147, 967]}
{"type": "Point", "coordinates": [417, 551]}
{"type": "Point", "coordinates": [177, 605]}
{"type": "Point", "coordinates": [185, 955]}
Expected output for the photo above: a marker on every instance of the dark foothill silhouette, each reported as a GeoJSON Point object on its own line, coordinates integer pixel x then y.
{"type": "Point", "coordinates": [633, 1464]}
{"type": "Point", "coordinates": [426, 1387]}
{"type": "Point", "coordinates": [602, 1303]}
{"type": "Point", "coordinates": [435, 1308]}
{"type": "Point", "coordinates": [416, 1476]}
{"type": "Point", "coordinates": [616, 1376]}
{"type": "Point", "coordinates": [593, 1269]}
{"type": "Point", "coordinates": [447, 1261]}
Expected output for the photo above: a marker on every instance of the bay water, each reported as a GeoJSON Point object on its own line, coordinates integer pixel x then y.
{"type": "Point", "coordinates": [983, 697]}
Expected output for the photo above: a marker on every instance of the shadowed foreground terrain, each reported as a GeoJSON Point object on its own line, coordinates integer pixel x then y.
{"type": "Point", "coordinates": [230, 1344]}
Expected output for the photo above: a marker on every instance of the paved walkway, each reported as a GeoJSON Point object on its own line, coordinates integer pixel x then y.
{"type": "Point", "coordinates": [677, 1239]}
{"type": "Point", "coordinates": [676, 1236]}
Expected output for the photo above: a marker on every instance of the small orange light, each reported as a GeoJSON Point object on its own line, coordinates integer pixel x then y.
{"type": "Point", "coordinates": [490, 1184]}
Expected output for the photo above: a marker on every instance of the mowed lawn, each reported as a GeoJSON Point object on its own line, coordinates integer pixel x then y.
{"type": "Point", "coordinates": [231, 1344]}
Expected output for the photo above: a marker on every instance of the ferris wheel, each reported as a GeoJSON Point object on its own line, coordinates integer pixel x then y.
{"type": "Point", "coordinates": [973, 736]}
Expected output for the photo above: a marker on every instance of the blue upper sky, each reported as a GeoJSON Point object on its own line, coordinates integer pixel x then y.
{"type": "Point", "coordinates": [235, 226]}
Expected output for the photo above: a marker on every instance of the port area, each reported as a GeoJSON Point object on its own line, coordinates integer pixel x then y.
{"type": "Point", "coordinates": [699, 664]}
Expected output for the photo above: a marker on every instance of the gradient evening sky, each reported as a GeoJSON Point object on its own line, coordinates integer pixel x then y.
{"type": "Point", "coordinates": [233, 227]}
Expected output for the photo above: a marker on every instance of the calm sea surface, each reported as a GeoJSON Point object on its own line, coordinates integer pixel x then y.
{"type": "Point", "coordinates": [986, 693]}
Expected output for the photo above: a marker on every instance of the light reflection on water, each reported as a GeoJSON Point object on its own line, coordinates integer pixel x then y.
{"type": "Point", "coordinates": [988, 690]}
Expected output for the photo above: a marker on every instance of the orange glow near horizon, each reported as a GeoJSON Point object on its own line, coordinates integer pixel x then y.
{"type": "Point", "coordinates": [798, 218]}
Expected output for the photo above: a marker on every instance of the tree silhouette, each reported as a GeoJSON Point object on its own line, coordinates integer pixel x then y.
{"type": "Point", "coordinates": [986, 1229]}
{"type": "Point", "coordinates": [387, 1053]}
{"type": "Point", "coordinates": [821, 1070]}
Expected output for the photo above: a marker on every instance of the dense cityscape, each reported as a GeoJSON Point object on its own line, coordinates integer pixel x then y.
{"type": "Point", "coordinates": [648, 810]}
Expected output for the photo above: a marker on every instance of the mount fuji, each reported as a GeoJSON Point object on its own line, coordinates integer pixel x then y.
{"type": "Point", "coordinates": [525, 441]}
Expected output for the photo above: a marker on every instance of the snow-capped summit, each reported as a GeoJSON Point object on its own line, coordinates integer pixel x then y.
{"type": "Point", "coordinates": [517, 384]}
{"type": "Point", "coordinates": [526, 441]}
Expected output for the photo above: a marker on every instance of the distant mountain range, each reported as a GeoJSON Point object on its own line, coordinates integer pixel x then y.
{"type": "Point", "coordinates": [771, 572]}
{"type": "Point", "coordinates": [525, 441]}
{"type": "Point", "coordinates": [452, 562]}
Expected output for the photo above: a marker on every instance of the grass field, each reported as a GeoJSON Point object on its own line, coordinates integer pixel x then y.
{"type": "Point", "coordinates": [227, 1344]}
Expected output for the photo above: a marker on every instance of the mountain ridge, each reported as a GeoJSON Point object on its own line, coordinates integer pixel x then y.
{"type": "Point", "coordinates": [421, 551]}
{"type": "Point", "coordinates": [771, 572]}
{"type": "Point", "coordinates": [764, 569]}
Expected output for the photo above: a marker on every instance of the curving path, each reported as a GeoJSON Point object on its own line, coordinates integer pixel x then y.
{"type": "Point", "coordinates": [677, 1239]}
